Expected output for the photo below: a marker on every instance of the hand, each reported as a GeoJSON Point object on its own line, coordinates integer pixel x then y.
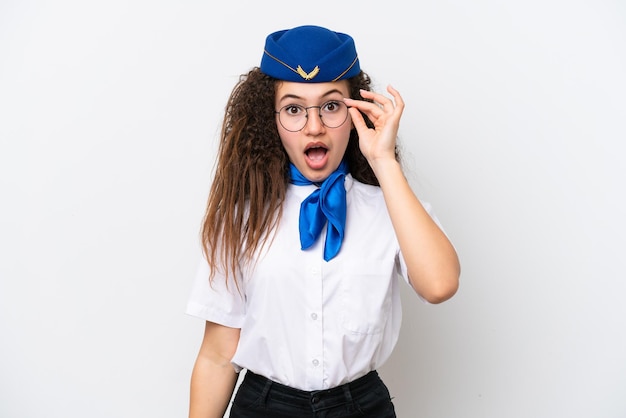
{"type": "Point", "coordinates": [380, 142]}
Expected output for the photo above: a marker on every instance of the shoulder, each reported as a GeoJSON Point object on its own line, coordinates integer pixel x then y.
{"type": "Point", "coordinates": [363, 192]}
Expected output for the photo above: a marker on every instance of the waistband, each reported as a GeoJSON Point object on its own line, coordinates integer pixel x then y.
{"type": "Point", "coordinates": [342, 393]}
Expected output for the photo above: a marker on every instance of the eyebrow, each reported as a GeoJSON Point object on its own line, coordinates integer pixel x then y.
{"type": "Point", "coordinates": [295, 96]}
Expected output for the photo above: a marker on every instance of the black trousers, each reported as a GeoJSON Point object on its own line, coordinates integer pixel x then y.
{"type": "Point", "coordinates": [259, 397]}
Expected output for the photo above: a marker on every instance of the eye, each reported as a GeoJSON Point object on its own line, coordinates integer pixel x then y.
{"type": "Point", "coordinates": [331, 107]}
{"type": "Point", "coordinates": [293, 110]}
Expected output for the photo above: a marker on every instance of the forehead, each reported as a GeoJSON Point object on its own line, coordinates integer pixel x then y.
{"type": "Point", "coordinates": [288, 90]}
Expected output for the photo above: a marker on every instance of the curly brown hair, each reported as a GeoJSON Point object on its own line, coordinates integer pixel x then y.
{"type": "Point", "coordinates": [245, 200]}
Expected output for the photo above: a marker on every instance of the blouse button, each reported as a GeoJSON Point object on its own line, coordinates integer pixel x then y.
{"type": "Point", "coordinates": [316, 362]}
{"type": "Point", "coordinates": [314, 316]}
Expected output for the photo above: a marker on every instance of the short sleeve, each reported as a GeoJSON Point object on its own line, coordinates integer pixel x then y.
{"type": "Point", "coordinates": [215, 301]}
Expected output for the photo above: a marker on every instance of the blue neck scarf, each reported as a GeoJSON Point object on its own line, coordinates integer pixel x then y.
{"type": "Point", "coordinates": [327, 204]}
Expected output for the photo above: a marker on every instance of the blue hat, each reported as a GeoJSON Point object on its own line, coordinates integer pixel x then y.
{"type": "Point", "coordinates": [310, 54]}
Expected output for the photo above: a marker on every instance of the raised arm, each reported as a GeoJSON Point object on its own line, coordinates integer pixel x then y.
{"type": "Point", "coordinates": [213, 378]}
{"type": "Point", "coordinates": [431, 260]}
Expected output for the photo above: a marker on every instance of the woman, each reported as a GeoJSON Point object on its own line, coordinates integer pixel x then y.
{"type": "Point", "coordinates": [309, 221]}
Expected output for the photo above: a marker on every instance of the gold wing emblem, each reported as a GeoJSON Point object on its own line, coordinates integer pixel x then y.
{"type": "Point", "coordinates": [308, 76]}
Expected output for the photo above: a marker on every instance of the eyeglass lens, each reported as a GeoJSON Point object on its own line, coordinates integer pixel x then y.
{"type": "Point", "coordinates": [294, 117]}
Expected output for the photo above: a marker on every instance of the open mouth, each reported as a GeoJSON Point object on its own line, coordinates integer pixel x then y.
{"type": "Point", "coordinates": [316, 152]}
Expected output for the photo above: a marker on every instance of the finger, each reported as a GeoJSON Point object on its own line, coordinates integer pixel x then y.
{"type": "Point", "coordinates": [362, 104]}
{"type": "Point", "coordinates": [357, 120]}
{"type": "Point", "coordinates": [357, 117]}
{"type": "Point", "coordinates": [392, 108]}
{"type": "Point", "coordinates": [372, 110]}
{"type": "Point", "coordinates": [380, 99]}
{"type": "Point", "coordinates": [399, 102]}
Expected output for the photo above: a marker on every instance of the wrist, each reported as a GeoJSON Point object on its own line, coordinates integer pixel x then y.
{"type": "Point", "coordinates": [384, 167]}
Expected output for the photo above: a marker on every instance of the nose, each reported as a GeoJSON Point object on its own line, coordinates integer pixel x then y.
{"type": "Point", "coordinates": [314, 122]}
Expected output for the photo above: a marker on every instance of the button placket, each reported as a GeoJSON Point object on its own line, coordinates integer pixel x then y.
{"type": "Point", "coordinates": [314, 299]}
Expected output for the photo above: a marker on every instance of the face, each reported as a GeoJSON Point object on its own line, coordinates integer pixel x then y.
{"type": "Point", "coordinates": [316, 150]}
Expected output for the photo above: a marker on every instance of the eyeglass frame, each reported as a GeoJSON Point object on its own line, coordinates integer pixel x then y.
{"type": "Point", "coordinates": [319, 113]}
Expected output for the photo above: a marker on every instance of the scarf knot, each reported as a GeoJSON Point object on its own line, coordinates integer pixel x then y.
{"type": "Point", "coordinates": [326, 205]}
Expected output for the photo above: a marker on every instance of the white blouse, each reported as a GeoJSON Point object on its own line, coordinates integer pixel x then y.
{"type": "Point", "coordinates": [305, 322]}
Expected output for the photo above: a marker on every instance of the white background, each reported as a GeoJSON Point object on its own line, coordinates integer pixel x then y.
{"type": "Point", "coordinates": [514, 131]}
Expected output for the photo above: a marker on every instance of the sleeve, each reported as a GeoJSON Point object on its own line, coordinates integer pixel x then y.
{"type": "Point", "coordinates": [216, 302]}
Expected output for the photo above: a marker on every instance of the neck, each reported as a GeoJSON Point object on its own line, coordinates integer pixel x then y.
{"type": "Point", "coordinates": [296, 177]}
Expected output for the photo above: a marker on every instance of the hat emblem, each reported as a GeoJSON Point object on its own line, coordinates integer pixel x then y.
{"type": "Point", "coordinates": [308, 76]}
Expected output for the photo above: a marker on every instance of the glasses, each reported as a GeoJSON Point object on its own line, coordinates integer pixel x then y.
{"type": "Point", "coordinates": [293, 117]}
